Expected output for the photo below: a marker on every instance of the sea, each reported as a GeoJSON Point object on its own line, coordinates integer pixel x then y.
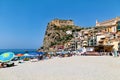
{"type": "Point", "coordinates": [17, 51]}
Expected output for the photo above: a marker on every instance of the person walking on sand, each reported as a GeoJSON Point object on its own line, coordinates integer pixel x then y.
{"type": "Point", "coordinates": [115, 53]}
{"type": "Point", "coordinates": [84, 51]}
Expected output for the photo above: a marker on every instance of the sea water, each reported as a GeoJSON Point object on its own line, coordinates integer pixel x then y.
{"type": "Point", "coordinates": [16, 51]}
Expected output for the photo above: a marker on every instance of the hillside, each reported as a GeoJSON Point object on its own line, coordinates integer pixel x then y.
{"type": "Point", "coordinates": [59, 32]}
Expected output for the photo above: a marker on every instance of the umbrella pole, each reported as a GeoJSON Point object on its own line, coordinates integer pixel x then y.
{"type": "Point", "coordinates": [19, 60]}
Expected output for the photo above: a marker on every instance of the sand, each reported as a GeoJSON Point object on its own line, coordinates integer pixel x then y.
{"type": "Point", "coordinates": [70, 68]}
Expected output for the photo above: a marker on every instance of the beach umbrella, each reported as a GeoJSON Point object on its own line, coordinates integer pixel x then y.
{"type": "Point", "coordinates": [8, 56]}
{"type": "Point", "coordinates": [40, 53]}
{"type": "Point", "coordinates": [51, 53]}
{"type": "Point", "coordinates": [26, 54]}
{"type": "Point", "coordinates": [84, 49]}
{"type": "Point", "coordinates": [65, 52]}
{"type": "Point", "coordinates": [19, 55]}
{"type": "Point", "coordinates": [58, 52]}
{"type": "Point", "coordinates": [33, 54]}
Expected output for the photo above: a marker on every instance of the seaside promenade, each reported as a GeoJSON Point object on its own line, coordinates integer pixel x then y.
{"type": "Point", "coordinates": [69, 68]}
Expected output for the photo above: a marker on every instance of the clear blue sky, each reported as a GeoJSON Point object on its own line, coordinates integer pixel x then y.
{"type": "Point", "coordinates": [23, 22]}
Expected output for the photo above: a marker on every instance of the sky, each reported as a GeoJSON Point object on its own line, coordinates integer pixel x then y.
{"type": "Point", "coordinates": [23, 22]}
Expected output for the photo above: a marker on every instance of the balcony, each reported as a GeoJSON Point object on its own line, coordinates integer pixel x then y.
{"type": "Point", "coordinates": [85, 32]}
{"type": "Point", "coordinates": [100, 44]}
{"type": "Point", "coordinates": [100, 33]}
{"type": "Point", "coordinates": [84, 44]}
{"type": "Point", "coordinates": [103, 38]}
{"type": "Point", "coordinates": [85, 41]}
{"type": "Point", "coordinates": [108, 36]}
{"type": "Point", "coordinates": [101, 41]}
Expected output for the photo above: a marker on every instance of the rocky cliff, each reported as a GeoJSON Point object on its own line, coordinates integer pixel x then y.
{"type": "Point", "coordinates": [58, 32]}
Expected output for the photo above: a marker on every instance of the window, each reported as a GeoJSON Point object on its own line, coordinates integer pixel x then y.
{"type": "Point", "coordinates": [118, 26]}
{"type": "Point", "coordinates": [114, 29]}
{"type": "Point", "coordinates": [114, 36]}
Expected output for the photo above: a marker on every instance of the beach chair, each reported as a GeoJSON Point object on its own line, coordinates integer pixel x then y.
{"type": "Point", "coordinates": [10, 64]}
{"type": "Point", "coordinates": [34, 60]}
{"type": "Point", "coordinates": [1, 65]}
{"type": "Point", "coordinates": [7, 64]}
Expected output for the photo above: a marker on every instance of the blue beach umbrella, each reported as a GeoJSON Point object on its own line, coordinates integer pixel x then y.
{"type": "Point", "coordinates": [33, 54]}
{"type": "Point", "coordinates": [8, 56]}
{"type": "Point", "coordinates": [40, 53]}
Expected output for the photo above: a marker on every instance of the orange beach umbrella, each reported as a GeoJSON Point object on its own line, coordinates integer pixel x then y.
{"type": "Point", "coordinates": [19, 55]}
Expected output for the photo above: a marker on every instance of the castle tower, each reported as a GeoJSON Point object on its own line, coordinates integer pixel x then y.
{"type": "Point", "coordinates": [97, 23]}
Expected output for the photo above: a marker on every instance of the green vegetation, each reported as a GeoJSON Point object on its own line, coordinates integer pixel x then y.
{"type": "Point", "coordinates": [57, 34]}
{"type": "Point", "coordinates": [53, 43]}
{"type": "Point", "coordinates": [62, 37]}
{"type": "Point", "coordinates": [62, 40]}
{"type": "Point", "coordinates": [49, 34]}
{"type": "Point", "coordinates": [63, 28]}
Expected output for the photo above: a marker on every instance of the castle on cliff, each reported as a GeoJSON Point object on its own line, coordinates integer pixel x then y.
{"type": "Point", "coordinates": [59, 22]}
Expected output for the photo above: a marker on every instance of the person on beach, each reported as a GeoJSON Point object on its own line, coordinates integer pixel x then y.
{"type": "Point", "coordinates": [40, 57]}
{"type": "Point", "coordinates": [84, 51]}
{"type": "Point", "coordinates": [1, 65]}
{"type": "Point", "coordinates": [115, 53]}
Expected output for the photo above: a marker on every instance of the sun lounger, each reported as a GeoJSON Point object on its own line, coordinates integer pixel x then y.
{"type": "Point", "coordinates": [34, 60]}
{"type": "Point", "coordinates": [91, 53]}
{"type": "Point", "coordinates": [7, 64]}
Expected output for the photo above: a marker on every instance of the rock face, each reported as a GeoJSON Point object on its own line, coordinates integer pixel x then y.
{"type": "Point", "coordinates": [58, 32]}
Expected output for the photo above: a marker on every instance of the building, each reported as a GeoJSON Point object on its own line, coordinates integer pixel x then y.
{"type": "Point", "coordinates": [108, 32]}
{"type": "Point", "coordinates": [103, 37]}
{"type": "Point", "coordinates": [59, 22]}
{"type": "Point", "coordinates": [111, 22]}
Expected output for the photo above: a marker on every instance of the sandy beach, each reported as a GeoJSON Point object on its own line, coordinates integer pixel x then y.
{"type": "Point", "coordinates": [70, 68]}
